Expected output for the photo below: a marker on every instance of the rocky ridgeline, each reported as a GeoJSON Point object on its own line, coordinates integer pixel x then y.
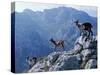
{"type": "Point", "coordinates": [82, 56]}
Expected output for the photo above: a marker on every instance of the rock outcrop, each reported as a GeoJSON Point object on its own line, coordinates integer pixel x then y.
{"type": "Point", "coordinates": [82, 56]}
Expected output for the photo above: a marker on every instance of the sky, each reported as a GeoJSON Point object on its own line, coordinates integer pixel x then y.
{"type": "Point", "coordinates": [21, 6]}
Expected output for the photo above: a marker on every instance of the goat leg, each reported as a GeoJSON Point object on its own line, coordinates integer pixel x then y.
{"type": "Point", "coordinates": [91, 32]}
{"type": "Point", "coordinates": [87, 36]}
{"type": "Point", "coordinates": [55, 48]}
{"type": "Point", "coordinates": [63, 46]}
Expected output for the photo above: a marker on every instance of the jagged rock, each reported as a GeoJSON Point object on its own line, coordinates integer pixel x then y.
{"type": "Point", "coordinates": [77, 47]}
{"type": "Point", "coordinates": [86, 54]}
{"type": "Point", "coordinates": [66, 63]}
{"type": "Point", "coordinates": [84, 50]}
{"type": "Point", "coordinates": [44, 64]}
{"type": "Point", "coordinates": [92, 63]}
{"type": "Point", "coordinates": [80, 40]}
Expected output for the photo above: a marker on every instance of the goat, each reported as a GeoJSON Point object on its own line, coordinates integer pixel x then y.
{"type": "Point", "coordinates": [31, 61]}
{"type": "Point", "coordinates": [84, 26]}
{"type": "Point", "coordinates": [57, 43]}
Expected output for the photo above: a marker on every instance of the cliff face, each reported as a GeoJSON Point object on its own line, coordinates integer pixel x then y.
{"type": "Point", "coordinates": [82, 56]}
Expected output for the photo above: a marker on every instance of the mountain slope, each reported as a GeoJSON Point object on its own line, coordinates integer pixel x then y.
{"type": "Point", "coordinates": [82, 56]}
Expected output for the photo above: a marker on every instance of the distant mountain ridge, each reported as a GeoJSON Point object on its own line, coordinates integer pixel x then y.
{"type": "Point", "coordinates": [34, 29]}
